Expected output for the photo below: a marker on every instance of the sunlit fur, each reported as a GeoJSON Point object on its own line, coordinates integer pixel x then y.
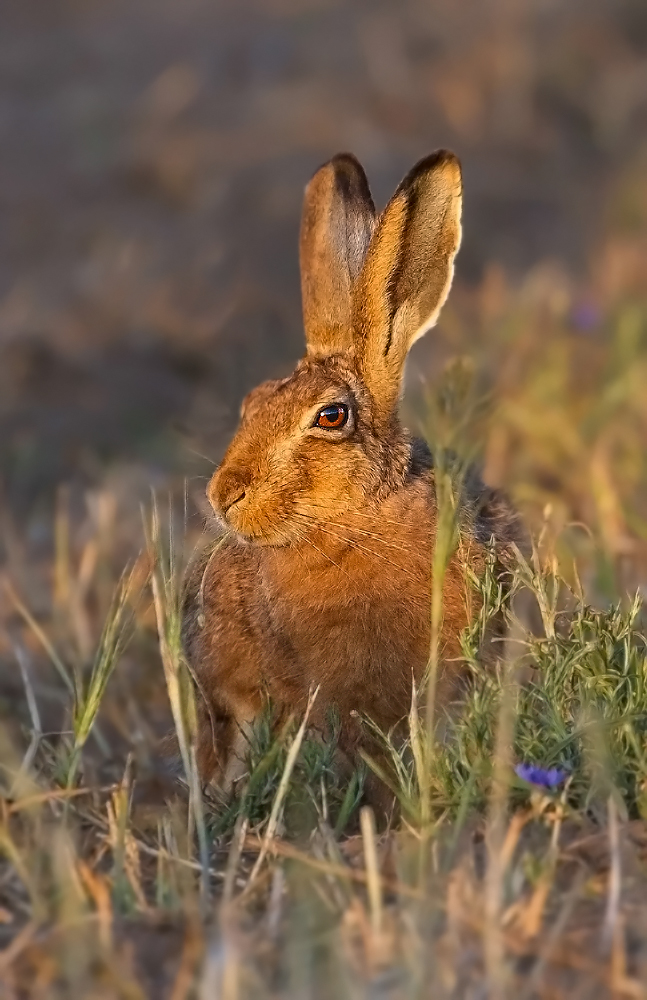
{"type": "Point", "coordinates": [325, 575]}
{"type": "Point", "coordinates": [287, 465]}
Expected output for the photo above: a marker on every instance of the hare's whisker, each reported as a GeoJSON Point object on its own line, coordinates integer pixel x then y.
{"type": "Point", "coordinates": [404, 549]}
{"type": "Point", "coordinates": [369, 534]}
{"type": "Point", "coordinates": [372, 517]}
{"type": "Point", "coordinates": [420, 603]}
{"type": "Point", "coordinates": [309, 541]}
{"type": "Point", "coordinates": [355, 545]}
{"type": "Point", "coordinates": [199, 454]}
{"type": "Point", "coordinates": [275, 550]}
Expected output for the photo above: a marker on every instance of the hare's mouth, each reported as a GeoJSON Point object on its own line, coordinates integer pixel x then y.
{"type": "Point", "coordinates": [257, 530]}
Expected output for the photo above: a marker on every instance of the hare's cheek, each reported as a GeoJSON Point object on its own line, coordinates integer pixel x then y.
{"type": "Point", "coordinates": [330, 493]}
{"type": "Point", "coordinates": [344, 471]}
{"type": "Point", "coordinates": [267, 515]}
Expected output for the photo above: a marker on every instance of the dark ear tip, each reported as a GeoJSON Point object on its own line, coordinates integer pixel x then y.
{"type": "Point", "coordinates": [347, 161]}
{"type": "Point", "coordinates": [346, 172]}
{"type": "Point", "coordinates": [443, 164]}
{"type": "Point", "coordinates": [341, 161]}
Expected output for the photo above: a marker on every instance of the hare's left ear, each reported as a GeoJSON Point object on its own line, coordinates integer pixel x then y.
{"type": "Point", "coordinates": [407, 274]}
{"type": "Point", "coordinates": [336, 227]}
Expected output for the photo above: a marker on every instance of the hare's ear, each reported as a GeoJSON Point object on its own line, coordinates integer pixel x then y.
{"type": "Point", "coordinates": [407, 274]}
{"type": "Point", "coordinates": [336, 227]}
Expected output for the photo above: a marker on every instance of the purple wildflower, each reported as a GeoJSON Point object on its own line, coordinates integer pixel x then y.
{"type": "Point", "coordinates": [549, 777]}
{"type": "Point", "coordinates": [585, 315]}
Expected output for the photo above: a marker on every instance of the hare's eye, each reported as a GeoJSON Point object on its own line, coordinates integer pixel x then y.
{"type": "Point", "coordinates": [332, 417]}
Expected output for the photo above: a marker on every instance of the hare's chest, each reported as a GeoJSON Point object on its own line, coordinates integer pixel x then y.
{"type": "Point", "coordinates": [359, 629]}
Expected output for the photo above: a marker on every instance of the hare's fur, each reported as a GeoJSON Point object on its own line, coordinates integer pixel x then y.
{"type": "Point", "coordinates": [325, 575]}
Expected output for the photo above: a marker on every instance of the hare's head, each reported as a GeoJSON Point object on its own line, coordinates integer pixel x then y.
{"type": "Point", "coordinates": [328, 439]}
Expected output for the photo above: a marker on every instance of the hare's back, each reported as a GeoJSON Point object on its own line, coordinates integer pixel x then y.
{"type": "Point", "coordinates": [489, 512]}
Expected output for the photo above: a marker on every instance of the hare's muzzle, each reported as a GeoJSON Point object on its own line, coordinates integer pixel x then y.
{"type": "Point", "coordinates": [226, 491]}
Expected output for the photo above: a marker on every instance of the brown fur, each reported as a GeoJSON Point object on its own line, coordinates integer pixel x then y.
{"type": "Point", "coordinates": [325, 577]}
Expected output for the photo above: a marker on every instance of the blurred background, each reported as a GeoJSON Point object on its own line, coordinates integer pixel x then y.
{"type": "Point", "coordinates": [153, 159]}
{"type": "Point", "coordinates": [154, 154]}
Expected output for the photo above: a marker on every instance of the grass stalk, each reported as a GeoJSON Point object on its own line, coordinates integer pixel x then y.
{"type": "Point", "coordinates": [41, 635]}
{"type": "Point", "coordinates": [89, 695]}
{"type": "Point", "coordinates": [500, 836]}
{"type": "Point", "coordinates": [279, 799]}
{"type": "Point", "coordinates": [367, 822]}
{"type": "Point", "coordinates": [168, 612]}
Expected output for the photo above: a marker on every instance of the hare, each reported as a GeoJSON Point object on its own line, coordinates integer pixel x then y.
{"type": "Point", "coordinates": [324, 573]}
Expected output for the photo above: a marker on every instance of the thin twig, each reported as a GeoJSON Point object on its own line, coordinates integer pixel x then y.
{"type": "Point", "coordinates": [56, 794]}
{"type": "Point", "coordinates": [285, 850]}
{"type": "Point", "coordinates": [233, 860]}
{"type": "Point", "coordinates": [615, 877]}
{"type": "Point", "coordinates": [367, 823]}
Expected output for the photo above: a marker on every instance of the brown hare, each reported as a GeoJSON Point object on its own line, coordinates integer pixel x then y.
{"type": "Point", "coordinates": [324, 575]}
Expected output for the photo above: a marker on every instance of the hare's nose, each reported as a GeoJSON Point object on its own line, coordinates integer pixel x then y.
{"type": "Point", "coordinates": [227, 492]}
{"type": "Point", "coordinates": [233, 498]}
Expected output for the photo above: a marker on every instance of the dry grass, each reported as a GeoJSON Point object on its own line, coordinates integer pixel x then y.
{"type": "Point", "coordinates": [121, 878]}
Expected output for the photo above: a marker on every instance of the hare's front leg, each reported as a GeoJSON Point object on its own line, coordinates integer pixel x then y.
{"type": "Point", "coordinates": [227, 652]}
{"type": "Point", "coordinates": [230, 697]}
{"type": "Point", "coordinates": [215, 744]}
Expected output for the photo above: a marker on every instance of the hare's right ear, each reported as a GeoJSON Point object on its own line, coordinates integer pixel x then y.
{"type": "Point", "coordinates": [407, 274]}
{"type": "Point", "coordinates": [336, 228]}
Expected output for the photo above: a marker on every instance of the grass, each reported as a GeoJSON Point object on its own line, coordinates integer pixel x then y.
{"type": "Point", "coordinates": [121, 877]}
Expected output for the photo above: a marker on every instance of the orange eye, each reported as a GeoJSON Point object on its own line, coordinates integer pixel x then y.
{"type": "Point", "coordinates": [332, 417]}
